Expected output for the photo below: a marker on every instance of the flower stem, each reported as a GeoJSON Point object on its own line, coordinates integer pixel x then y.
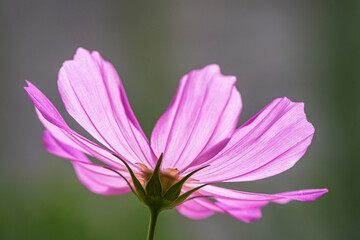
{"type": "Point", "coordinates": [154, 213]}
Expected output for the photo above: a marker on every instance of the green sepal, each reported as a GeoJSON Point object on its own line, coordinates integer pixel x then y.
{"type": "Point", "coordinates": [182, 198]}
{"type": "Point", "coordinates": [139, 188]}
{"type": "Point", "coordinates": [174, 192]}
{"type": "Point", "coordinates": [153, 187]}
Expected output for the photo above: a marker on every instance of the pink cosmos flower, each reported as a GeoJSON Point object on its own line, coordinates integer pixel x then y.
{"type": "Point", "coordinates": [197, 130]}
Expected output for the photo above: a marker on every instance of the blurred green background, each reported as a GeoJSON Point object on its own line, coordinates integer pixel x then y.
{"type": "Point", "coordinates": [305, 50]}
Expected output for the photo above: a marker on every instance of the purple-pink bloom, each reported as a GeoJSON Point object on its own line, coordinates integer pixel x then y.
{"type": "Point", "coordinates": [198, 129]}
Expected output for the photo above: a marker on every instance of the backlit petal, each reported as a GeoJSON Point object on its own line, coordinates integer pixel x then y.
{"type": "Point", "coordinates": [96, 178]}
{"type": "Point", "coordinates": [53, 121]}
{"type": "Point", "coordinates": [195, 210]}
{"type": "Point", "coordinates": [268, 144]}
{"type": "Point", "coordinates": [94, 96]}
{"type": "Point", "coordinates": [245, 206]}
{"type": "Point", "coordinates": [200, 120]}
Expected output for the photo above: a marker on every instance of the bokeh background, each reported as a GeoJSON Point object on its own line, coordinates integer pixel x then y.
{"type": "Point", "coordinates": [305, 50]}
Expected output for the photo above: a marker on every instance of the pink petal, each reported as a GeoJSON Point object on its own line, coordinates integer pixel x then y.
{"type": "Point", "coordinates": [53, 121]}
{"type": "Point", "coordinates": [200, 120]}
{"type": "Point", "coordinates": [247, 206]}
{"type": "Point", "coordinates": [200, 208]}
{"type": "Point", "coordinates": [229, 194]}
{"type": "Point", "coordinates": [192, 209]}
{"type": "Point", "coordinates": [94, 96]}
{"type": "Point", "coordinates": [96, 178]}
{"type": "Point", "coordinates": [268, 144]}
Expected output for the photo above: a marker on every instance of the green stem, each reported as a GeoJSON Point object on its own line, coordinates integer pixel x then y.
{"type": "Point", "coordinates": [154, 213]}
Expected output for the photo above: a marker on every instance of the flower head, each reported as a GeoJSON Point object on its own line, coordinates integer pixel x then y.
{"type": "Point", "coordinates": [193, 144]}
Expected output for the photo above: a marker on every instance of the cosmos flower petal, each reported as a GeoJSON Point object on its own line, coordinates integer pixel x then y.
{"type": "Point", "coordinates": [246, 215]}
{"type": "Point", "coordinates": [95, 177]}
{"type": "Point", "coordinates": [246, 206]}
{"type": "Point", "coordinates": [268, 144]}
{"type": "Point", "coordinates": [53, 121]}
{"type": "Point", "coordinates": [195, 210]}
{"type": "Point", "coordinates": [220, 137]}
{"type": "Point", "coordinates": [96, 184]}
{"type": "Point", "coordinates": [94, 96]}
{"type": "Point", "coordinates": [200, 120]}
{"type": "Point", "coordinates": [229, 194]}
{"type": "Point", "coordinates": [200, 208]}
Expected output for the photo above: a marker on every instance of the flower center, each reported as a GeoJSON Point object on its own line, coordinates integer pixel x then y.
{"type": "Point", "coordinates": [168, 177]}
